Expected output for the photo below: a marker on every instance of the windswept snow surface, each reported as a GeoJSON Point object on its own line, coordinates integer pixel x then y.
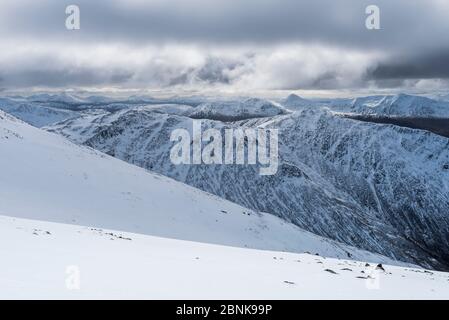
{"type": "Point", "coordinates": [46, 177]}
{"type": "Point", "coordinates": [42, 260]}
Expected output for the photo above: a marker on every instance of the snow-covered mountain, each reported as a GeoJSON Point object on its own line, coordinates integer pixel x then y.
{"type": "Point", "coordinates": [293, 102]}
{"type": "Point", "coordinates": [43, 260]}
{"type": "Point", "coordinates": [236, 110]}
{"type": "Point", "coordinates": [379, 187]}
{"type": "Point", "coordinates": [402, 105]}
{"type": "Point", "coordinates": [34, 113]}
{"type": "Point", "coordinates": [60, 97]}
{"type": "Point", "coordinates": [46, 177]}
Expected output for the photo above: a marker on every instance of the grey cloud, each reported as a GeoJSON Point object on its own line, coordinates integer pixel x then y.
{"type": "Point", "coordinates": [328, 80]}
{"type": "Point", "coordinates": [218, 21]}
{"type": "Point", "coordinates": [428, 65]}
{"type": "Point", "coordinates": [64, 77]}
{"type": "Point", "coordinates": [213, 71]}
{"type": "Point", "coordinates": [217, 70]}
{"type": "Point", "coordinates": [413, 43]}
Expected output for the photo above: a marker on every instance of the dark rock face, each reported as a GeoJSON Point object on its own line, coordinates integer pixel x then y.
{"type": "Point", "coordinates": [438, 126]}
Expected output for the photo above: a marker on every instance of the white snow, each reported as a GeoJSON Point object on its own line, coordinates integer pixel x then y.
{"type": "Point", "coordinates": [295, 102]}
{"type": "Point", "coordinates": [42, 260]}
{"type": "Point", "coordinates": [237, 110]}
{"type": "Point", "coordinates": [400, 105]}
{"type": "Point", "coordinates": [34, 113]}
{"type": "Point", "coordinates": [177, 109]}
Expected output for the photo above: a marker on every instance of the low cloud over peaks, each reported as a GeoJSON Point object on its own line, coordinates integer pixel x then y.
{"type": "Point", "coordinates": [249, 45]}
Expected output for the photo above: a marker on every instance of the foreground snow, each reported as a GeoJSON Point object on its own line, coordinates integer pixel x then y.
{"type": "Point", "coordinates": [49, 260]}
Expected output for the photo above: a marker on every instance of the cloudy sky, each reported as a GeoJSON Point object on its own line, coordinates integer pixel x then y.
{"type": "Point", "coordinates": [225, 45]}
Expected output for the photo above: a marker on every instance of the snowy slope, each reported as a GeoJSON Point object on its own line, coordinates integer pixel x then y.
{"type": "Point", "coordinates": [42, 260]}
{"type": "Point", "coordinates": [46, 177]}
{"type": "Point", "coordinates": [34, 113]}
{"type": "Point", "coordinates": [378, 187]}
